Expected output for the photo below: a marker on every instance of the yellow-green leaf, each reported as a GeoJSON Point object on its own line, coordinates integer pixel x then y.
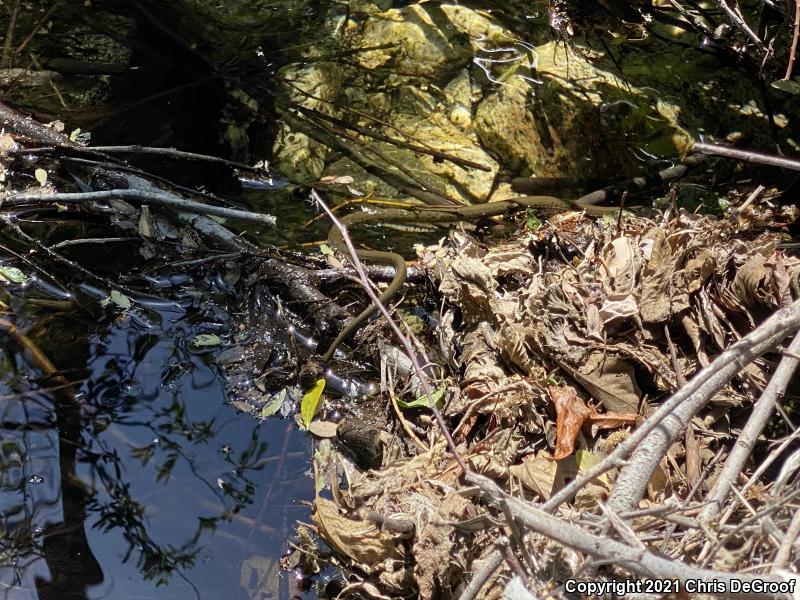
{"type": "Point", "coordinates": [311, 402]}
{"type": "Point", "coordinates": [206, 339]}
{"type": "Point", "coordinates": [422, 401]}
{"type": "Point", "coordinates": [274, 405]}
{"type": "Point", "coordinates": [326, 250]}
{"type": "Point", "coordinates": [13, 275]}
{"type": "Point", "coordinates": [117, 298]}
{"type": "Point", "coordinates": [41, 176]}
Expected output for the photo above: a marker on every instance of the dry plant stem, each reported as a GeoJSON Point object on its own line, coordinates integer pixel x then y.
{"type": "Point", "coordinates": [762, 411]}
{"type": "Point", "coordinates": [762, 467]}
{"type": "Point", "coordinates": [634, 560]}
{"type": "Point", "coordinates": [404, 341]}
{"type": "Point", "coordinates": [170, 152]}
{"type": "Point", "coordinates": [111, 285]}
{"type": "Point", "coordinates": [632, 480]}
{"type": "Point", "coordinates": [795, 36]}
{"type": "Point", "coordinates": [142, 197]}
{"type": "Point", "coordinates": [694, 395]}
{"type": "Point", "coordinates": [403, 421]}
{"type": "Point", "coordinates": [6, 57]}
{"type": "Point", "coordinates": [784, 554]}
{"type": "Point", "coordinates": [479, 579]}
{"type": "Point", "coordinates": [708, 554]}
{"type": "Point", "coordinates": [737, 20]}
{"type": "Point", "coordinates": [756, 157]}
{"type": "Point", "coordinates": [440, 156]}
{"type": "Point", "coordinates": [36, 28]}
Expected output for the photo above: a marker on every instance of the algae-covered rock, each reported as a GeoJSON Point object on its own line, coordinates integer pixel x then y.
{"type": "Point", "coordinates": [412, 42]}
{"type": "Point", "coordinates": [499, 91]}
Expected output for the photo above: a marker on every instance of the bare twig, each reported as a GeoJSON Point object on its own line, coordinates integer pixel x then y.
{"type": "Point", "coordinates": [635, 560]}
{"type": "Point", "coordinates": [784, 554]}
{"type": "Point", "coordinates": [36, 28]}
{"type": "Point", "coordinates": [479, 579]}
{"type": "Point", "coordinates": [747, 156]}
{"type": "Point", "coordinates": [737, 20]}
{"type": "Point", "coordinates": [6, 56]}
{"type": "Point", "coordinates": [795, 38]}
{"type": "Point", "coordinates": [632, 480]}
{"type": "Point", "coordinates": [142, 197]}
{"type": "Point", "coordinates": [762, 411]}
{"type": "Point", "coordinates": [694, 394]}
{"type": "Point", "coordinates": [405, 342]}
{"type": "Point", "coordinates": [435, 154]}
{"type": "Point", "coordinates": [170, 152]}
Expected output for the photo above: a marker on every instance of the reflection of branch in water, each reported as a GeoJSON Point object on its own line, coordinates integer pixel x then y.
{"type": "Point", "coordinates": [159, 562]}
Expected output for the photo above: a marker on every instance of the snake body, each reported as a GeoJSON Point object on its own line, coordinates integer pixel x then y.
{"type": "Point", "coordinates": [431, 214]}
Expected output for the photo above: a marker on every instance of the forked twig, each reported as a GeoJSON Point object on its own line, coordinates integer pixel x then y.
{"type": "Point", "coordinates": [689, 399]}
{"type": "Point", "coordinates": [762, 411]}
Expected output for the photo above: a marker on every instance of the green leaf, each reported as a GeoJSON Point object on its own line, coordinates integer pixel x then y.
{"type": "Point", "coordinates": [531, 220]}
{"type": "Point", "coordinates": [422, 401]}
{"type": "Point", "coordinates": [274, 405]}
{"type": "Point", "coordinates": [41, 176]}
{"type": "Point", "coordinates": [791, 86]}
{"type": "Point", "coordinates": [13, 275]}
{"type": "Point", "coordinates": [326, 250]}
{"type": "Point", "coordinates": [73, 137]}
{"type": "Point", "coordinates": [119, 299]}
{"type": "Point", "coordinates": [206, 339]}
{"type": "Point", "coordinates": [311, 402]}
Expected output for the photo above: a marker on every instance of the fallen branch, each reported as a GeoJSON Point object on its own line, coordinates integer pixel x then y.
{"type": "Point", "coordinates": [142, 197]}
{"type": "Point", "coordinates": [747, 156]}
{"type": "Point", "coordinates": [762, 411]}
{"type": "Point", "coordinates": [635, 560]}
{"type": "Point", "coordinates": [694, 394]}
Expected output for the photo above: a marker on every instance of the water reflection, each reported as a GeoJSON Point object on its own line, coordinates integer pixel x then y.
{"type": "Point", "coordinates": [143, 484]}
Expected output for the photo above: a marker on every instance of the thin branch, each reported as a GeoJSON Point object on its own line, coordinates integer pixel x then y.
{"type": "Point", "coordinates": [784, 554]}
{"type": "Point", "coordinates": [747, 156]}
{"type": "Point", "coordinates": [695, 393]}
{"type": "Point", "coordinates": [737, 20]}
{"type": "Point", "coordinates": [795, 37]}
{"type": "Point", "coordinates": [636, 560]}
{"type": "Point", "coordinates": [404, 341]}
{"type": "Point", "coordinates": [479, 579]}
{"type": "Point", "coordinates": [6, 57]}
{"type": "Point", "coordinates": [435, 154]}
{"type": "Point", "coordinates": [172, 153]}
{"type": "Point", "coordinates": [142, 197]}
{"type": "Point", "coordinates": [762, 411]}
{"type": "Point", "coordinates": [36, 28]}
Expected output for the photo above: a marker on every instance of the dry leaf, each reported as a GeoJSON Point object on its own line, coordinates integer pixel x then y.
{"type": "Point", "coordinates": [656, 279]}
{"type": "Point", "coordinates": [610, 380]}
{"type": "Point", "coordinates": [752, 284]}
{"type": "Point", "coordinates": [571, 412]}
{"type": "Point", "coordinates": [359, 540]}
{"type": "Point", "coordinates": [542, 474]}
{"type": "Point", "coordinates": [323, 429]}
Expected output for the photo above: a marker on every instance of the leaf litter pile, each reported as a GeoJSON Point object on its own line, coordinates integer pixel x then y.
{"type": "Point", "coordinates": [607, 369]}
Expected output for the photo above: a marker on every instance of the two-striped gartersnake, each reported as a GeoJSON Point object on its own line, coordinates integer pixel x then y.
{"type": "Point", "coordinates": [431, 214]}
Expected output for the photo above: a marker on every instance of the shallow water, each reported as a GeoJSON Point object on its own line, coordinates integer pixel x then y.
{"type": "Point", "coordinates": [150, 486]}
